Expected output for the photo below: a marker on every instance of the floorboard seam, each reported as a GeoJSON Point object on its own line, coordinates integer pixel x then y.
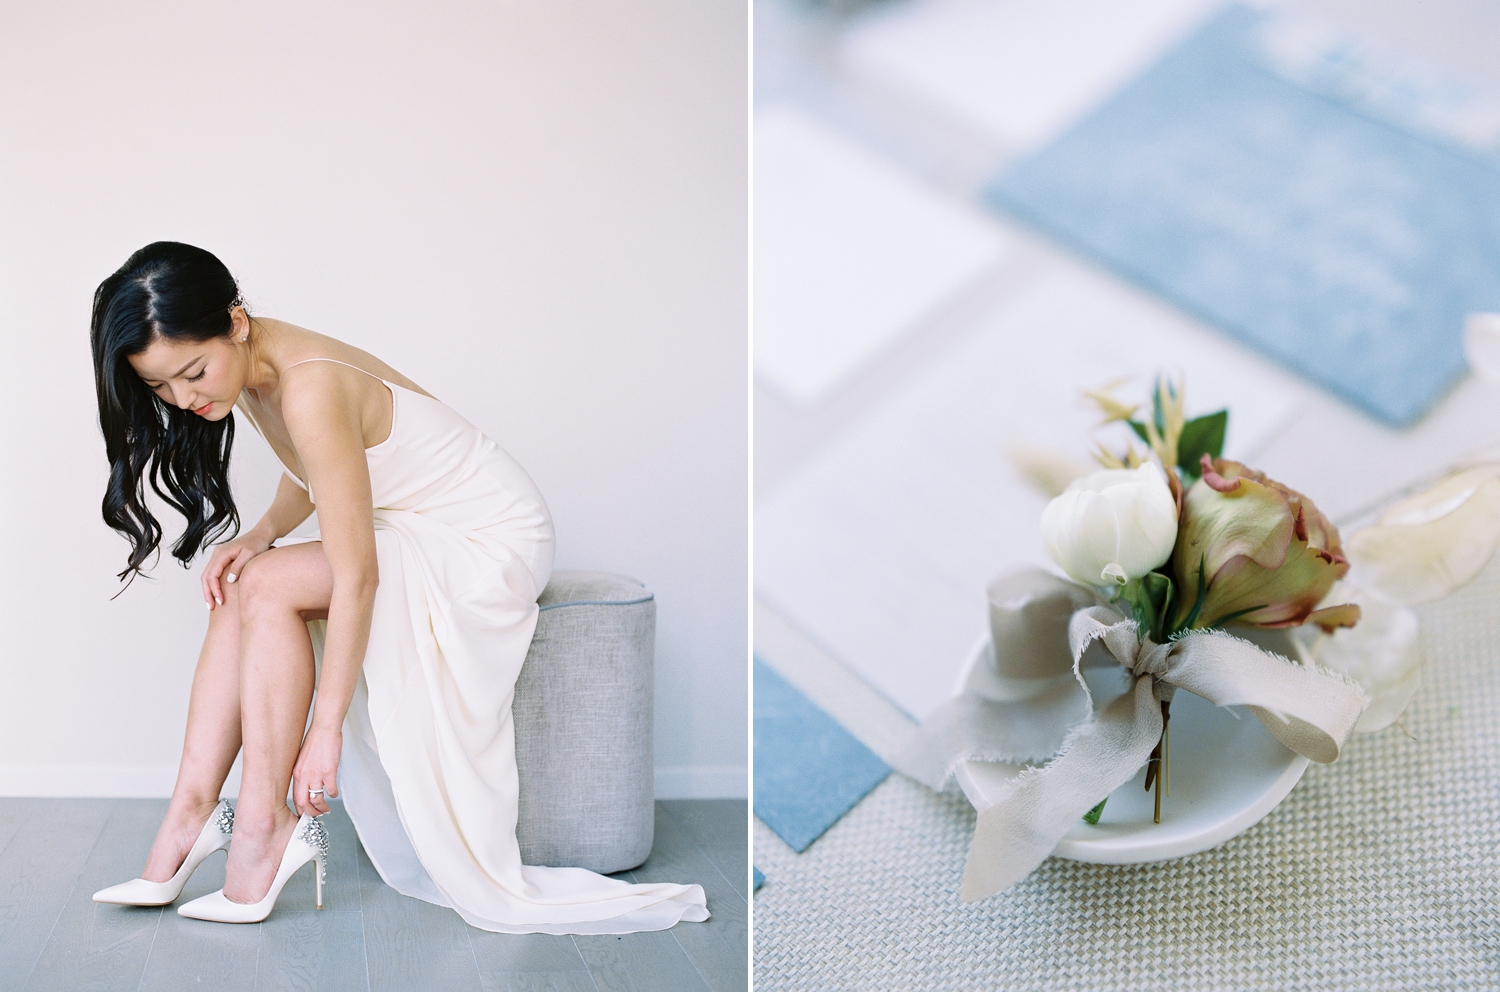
{"type": "Point", "coordinates": [359, 888]}
{"type": "Point", "coordinates": [260, 938]}
{"type": "Point", "coordinates": [469, 939]}
{"type": "Point", "coordinates": [364, 945]}
{"type": "Point", "coordinates": [661, 807]}
{"type": "Point", "coordinates": [685, 953]}
{"type": "Point", "coordinates": [706, 856]}
{"type": "Point", "coordinates": [588, 969]}
{"type": "Point", "coordinates": [64, 907]}
{"type": "Point", "coordinates": [146, 967]}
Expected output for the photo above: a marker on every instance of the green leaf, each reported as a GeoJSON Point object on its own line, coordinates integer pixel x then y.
{"type": "Point", "coordinates": [1141, 610]}
{"type": "Point", "coordinates": [1158, 590]}
{"type": "Point", "coordinates": [1236, 615]}
{"type": "Point", "coordinates": [1142, 614]}
{"type": "Point", "coordinates": [1150, 599]}
{"type": "Point", "coordinates": [1140, 430]}
{"type": "Point", "coordinates": [1201, 436]}
{"type": "Point", "coordinates": [1192, 617]}
{"type": "Point", "coordinates": [1092, 816]}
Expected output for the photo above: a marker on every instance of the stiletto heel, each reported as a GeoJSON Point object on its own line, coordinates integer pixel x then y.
{"type": "Point", "coordinates": [138, 892]}
{"type": "Point", "coordinates": [309, 842]}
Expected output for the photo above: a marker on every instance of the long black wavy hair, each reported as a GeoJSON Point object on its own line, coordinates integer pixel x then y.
{"type": "Point", "coordinates": [175, 291]}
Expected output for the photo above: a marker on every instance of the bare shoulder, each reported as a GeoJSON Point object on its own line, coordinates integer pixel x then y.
{"type": "Point", "coordinates": [314, 393]}
{"type": "Point", "coordinates": [309, 349]}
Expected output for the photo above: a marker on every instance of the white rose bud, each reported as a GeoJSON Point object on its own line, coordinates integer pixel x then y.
{"type": "Point", "coordinates": [1112, 526]}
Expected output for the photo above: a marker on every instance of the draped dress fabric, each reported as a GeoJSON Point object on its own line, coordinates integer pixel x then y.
{"type": "Point", "coordinates": [428, 770]}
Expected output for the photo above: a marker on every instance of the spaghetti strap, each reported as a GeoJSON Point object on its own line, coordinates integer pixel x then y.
{"type": "Point", "coordinates": [356, 368]}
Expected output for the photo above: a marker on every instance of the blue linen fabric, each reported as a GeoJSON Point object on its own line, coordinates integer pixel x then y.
{"type": "Point", "coordinates": [759, 879]}
{"type": "Point", "coordinates": [1341, 245]}
{"type": "Point", "coordinates": [809, 771]}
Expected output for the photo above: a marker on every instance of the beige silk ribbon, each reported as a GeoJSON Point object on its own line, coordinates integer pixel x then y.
{"type": "Point", "coordinates": [1031, 705]}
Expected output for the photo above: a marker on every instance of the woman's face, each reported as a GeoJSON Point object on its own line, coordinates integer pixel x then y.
{"type": "Point", "coordinates": [204, 377]}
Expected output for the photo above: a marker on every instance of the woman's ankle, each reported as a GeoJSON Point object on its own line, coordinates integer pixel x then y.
{"type": "Point", "coordinates": [262, 824]}
{"type": "Point", "coordinates": [174, 840]}
{"type": "Point", "coordinates": [190, 807]}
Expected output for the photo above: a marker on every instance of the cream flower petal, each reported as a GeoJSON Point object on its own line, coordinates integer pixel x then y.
{"type": "Point", "coordinates": [1428, 545]}
{"type": "Point", "coordinates": [1381, 652]}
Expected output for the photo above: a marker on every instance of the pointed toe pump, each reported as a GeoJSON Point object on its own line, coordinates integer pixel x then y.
{"type": "Point", "coordinates": [309, 842]}
{"type": "Point", "coordinates": [139, 892]}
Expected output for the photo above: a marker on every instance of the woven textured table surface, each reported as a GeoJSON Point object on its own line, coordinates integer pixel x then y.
{"type": "Point", "coordinates": [1381, 871]}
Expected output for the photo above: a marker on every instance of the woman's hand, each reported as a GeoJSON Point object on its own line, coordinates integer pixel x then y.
{"type": "Point", "coordinates": [317, 767]}
{"type": "Point", "coordinates": [227, 562]}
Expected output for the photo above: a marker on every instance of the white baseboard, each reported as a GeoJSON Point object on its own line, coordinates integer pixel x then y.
{"type": "Point", "coordinates": [699, 782]}
{"type": "Point", "coordinates": [153, 782]}
{"type": "Point", "coordinates": [90, 781]}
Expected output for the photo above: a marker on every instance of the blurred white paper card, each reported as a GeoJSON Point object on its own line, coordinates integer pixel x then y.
{"type": "Point", "coordinates": [849, 253]}
{"type": "Point", "coordinates": [881, 548]}
{"type": "Point", "coordinates": [1015, 70]}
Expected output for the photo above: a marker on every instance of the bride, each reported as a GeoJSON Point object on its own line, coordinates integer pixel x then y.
{"type": "Point", "coordinates": [410, 613]}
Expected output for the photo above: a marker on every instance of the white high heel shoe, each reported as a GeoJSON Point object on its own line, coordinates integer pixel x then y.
{"type": "Point", "coordinates": [309, 842]}
{"type": "Point", "coordinates": [138, 892]}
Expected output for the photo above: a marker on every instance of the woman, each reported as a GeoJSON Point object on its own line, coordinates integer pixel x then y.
{"type": "Point", "coordinates": [420, 591]}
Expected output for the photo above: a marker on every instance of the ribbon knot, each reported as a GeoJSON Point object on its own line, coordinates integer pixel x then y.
{"type": "Point", "coordinates": [1029, 704]}
{"type": "Point", "coordinates": [1151, 659]}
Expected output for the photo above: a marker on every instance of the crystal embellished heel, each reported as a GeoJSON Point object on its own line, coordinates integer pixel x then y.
{"type": "Point", "coordinates": [138, 892]}
{"type": "Point", "coordinates": [309, 842]}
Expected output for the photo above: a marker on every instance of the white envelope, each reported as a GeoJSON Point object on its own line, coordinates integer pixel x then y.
{"type": "Point", "coordinates": [849, 253]}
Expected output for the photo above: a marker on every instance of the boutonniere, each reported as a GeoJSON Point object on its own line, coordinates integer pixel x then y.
{"type": "Point", "coordinates": [1169, 549]}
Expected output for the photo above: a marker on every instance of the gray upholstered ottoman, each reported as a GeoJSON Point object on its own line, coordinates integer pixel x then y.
{"type": "Point", "coordinates": [583, 725]}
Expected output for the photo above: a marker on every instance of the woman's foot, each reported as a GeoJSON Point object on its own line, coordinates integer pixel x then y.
{"type": "Point", "coordinates": [175, 838]}
{"type": "Point", "coordinates": [256, 854]}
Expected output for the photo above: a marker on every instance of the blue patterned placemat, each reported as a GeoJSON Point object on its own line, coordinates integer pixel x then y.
{"type": "Point", "coordinates": [1342, 245]}
{"type": "Point", "coordinates": [809, 771]}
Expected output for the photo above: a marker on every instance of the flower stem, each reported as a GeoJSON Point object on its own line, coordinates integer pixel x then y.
{"type": "Point", "coordinates": [1156, 815]}
{"type": "Point", "coordinates": [1158, 766]}
{"type": "Point", "coordinates": [1166, 745]}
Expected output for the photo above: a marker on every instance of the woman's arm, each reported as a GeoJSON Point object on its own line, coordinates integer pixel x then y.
{"type": "Point", "coordinates": [290, 507]}
{"type": "Point", "coordinates": [322, 413]}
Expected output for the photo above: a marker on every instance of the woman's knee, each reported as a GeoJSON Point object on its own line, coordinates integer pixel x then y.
{"type": "Point", "coordinates": [258, 587]}
{"type": "Point", "coordinates": [293, 579]}
{"type": "Point", "coordinates": [229, 609]}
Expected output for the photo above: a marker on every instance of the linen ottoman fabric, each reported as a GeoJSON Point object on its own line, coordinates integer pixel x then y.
{"type": "Point", "coordinates": [1378, 872]}
{"type": "Point", "coordinates": [583, 714]}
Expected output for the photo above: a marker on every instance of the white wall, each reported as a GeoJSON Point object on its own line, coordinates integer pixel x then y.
{"type": "Point", "coordinates": [537, 211]}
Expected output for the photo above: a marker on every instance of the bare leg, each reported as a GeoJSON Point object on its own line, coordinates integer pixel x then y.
{"type": "Point", "coordinates": [279, 591]}
{"type": "Point", "coordinates": [211, 742]}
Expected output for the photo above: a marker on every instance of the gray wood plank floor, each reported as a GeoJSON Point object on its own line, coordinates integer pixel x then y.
{"type": "Point", "coordinates": [55, 853]}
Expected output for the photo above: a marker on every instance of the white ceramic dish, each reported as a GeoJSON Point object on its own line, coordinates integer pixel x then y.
{"type": "Point", "coordinates": [1227, 773]}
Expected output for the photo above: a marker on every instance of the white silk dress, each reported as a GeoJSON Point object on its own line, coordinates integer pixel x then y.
{"type": "Point", "coordinates": [428, 771]}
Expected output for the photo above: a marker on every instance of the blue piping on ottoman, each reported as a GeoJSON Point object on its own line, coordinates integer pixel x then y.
{"type": "Point", "coordinates": [601, 602]}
